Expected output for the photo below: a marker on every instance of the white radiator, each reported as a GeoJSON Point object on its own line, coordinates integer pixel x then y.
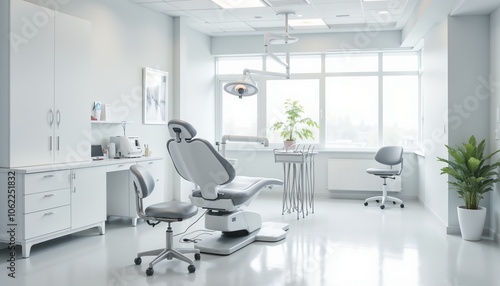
{"type": "Point", "coordinates": [351, 175]}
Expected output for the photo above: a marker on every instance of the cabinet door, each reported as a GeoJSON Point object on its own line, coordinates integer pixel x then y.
{"type": "Point", "coordinates": [31, 84]}
{"type": "Point", "coordinates": [156, 169]}
{"type": "Point", "coordinates": [72, 89]}
{"type": "Point", "coordinates": [88, 196]}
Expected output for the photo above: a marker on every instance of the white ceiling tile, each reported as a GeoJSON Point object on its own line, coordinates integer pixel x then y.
{"type": "Point", "coordinates": [266, 24]}
{"type": "Point", "coordinates": [346, 20]}
{"type": "Point", "coordinates": [194, 5]}
{"type": "Point", "coordinates": [214, 16]}
{"type": "Point", "coordinates": [250, 14]}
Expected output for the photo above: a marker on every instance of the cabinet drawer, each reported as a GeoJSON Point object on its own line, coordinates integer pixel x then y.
{"type": "Point", "coordinates": [46, 181]}
{"type": "Point", "coordinates": [47, 221]}
{"type": "Point", "coordinates": [149, 163]}
{"type": "Point", "coordinates": [46, 200]}
{"type": "Point", "coordinates": [119, 167]}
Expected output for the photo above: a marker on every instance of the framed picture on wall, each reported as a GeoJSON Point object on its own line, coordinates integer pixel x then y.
{"type": "Point", "coordinates": [154, 96]}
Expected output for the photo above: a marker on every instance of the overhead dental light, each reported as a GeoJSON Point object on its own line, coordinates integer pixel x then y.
{"type": "Point", "coordinates": [247, 85]}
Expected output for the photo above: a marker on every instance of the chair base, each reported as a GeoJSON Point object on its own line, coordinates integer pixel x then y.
{"type": "Point", "coordinates": [383, 199]}
{"type": "Point", "coordinates": [224, 245]}
{"type": "Point", "coordinates": [168, 253]}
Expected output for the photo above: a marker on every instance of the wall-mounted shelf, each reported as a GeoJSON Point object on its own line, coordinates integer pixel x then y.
{"type": "Point", "coordinates": [123, 123]}
{"type": "Point", "coordinates": [109, 122]}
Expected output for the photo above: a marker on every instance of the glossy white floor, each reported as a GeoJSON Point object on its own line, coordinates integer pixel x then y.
{"type": "Point", "coordinates": [342, 243]}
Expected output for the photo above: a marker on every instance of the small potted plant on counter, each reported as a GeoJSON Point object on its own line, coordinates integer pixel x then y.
{"type": "Point", "coordinates": [295, 126]}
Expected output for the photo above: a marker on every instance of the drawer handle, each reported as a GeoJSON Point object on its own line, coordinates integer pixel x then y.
{"type": "Point", "coordinates": [151, 163]}
{"type": "Point", "coordinates": [49, 213]}
{"type": "Point", "coordinates": [48, 195]}
{"type": "Point", "coordinates": [48, 176]}
{"type": "Point", "coordinates": [119, 166]}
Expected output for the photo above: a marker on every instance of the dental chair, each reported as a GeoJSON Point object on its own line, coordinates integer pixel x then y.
{"type": "Point", "coordinates": [221, 192]}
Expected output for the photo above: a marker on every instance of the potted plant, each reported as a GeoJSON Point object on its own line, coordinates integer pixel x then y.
{"type": "Point", "coordinates": [295, 126]}
{"type": "Point", "coordinates": [473, 176]}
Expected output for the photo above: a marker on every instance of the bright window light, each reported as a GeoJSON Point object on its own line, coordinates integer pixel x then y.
{"type": "Point", "coordinates": [233, 4]}
{"type": "Point", "coordinates": [306, 22]}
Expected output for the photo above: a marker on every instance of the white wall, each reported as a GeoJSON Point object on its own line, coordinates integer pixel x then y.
{"type": "Point", "coordinates": [434, 193]}
{"type": "Point", "coordinates": [468, 95]}
{"type": "Point", "coordinates": [4, 70]}
{"type": "Point", "coordinates": [455, 62]}
{"type": "Point", "coordinates": [259, 161]}
{"type": "Point", "coordinates": [494, 208]}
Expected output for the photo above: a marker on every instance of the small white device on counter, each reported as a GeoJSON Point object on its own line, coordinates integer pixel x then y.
{"type": "Point", "coordinates": [127, 146]}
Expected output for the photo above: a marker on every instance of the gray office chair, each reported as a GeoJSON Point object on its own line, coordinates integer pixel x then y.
{"type": "Point", "coordinates": [161, 212]}
{"type": "Point", "coordinates": [221, 192]}
{"type": "Point", "coordinates": [391, 156]}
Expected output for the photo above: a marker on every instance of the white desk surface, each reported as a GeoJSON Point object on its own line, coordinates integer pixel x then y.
{"type": "Point", "coordinates": [76, 165]}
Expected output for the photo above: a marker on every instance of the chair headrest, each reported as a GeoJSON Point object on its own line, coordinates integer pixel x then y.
{"type": "Point", "coordinates": [181, 129]}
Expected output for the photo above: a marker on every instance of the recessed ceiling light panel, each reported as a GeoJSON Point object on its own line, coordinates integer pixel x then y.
{"type": "Point", "coordinates": [235, 4]}
{"type": "Point", "coordinates": [307, 23]}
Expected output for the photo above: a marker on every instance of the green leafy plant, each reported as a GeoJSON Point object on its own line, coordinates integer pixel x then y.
{"type": "Point", "coordinates": [294, 125]}
{"type": "Point", "coordinates": [472, 174]}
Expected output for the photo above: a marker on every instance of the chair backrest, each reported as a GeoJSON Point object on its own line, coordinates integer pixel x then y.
{"type": "Point", "coordinates": [390, 155]}
{"type": "Point", "coordinates": [196, 160]}
{"type": "Point", "coordinates": [144, 183]}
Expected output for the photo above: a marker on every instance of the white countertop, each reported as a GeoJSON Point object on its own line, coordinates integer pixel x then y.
{"type": "Point", "coordinates": [75, 165]}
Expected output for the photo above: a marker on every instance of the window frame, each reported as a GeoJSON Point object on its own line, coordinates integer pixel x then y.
{"type": "Point", "coordinates": [321, 76]}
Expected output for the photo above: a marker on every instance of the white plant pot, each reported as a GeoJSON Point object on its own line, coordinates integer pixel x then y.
{"type": "Point", "coordinates": [471, 222]}
{"type": "Point", "coordinates": [288, 145]}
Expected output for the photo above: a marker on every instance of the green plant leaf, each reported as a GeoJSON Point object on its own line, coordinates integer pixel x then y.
{"type": "Point", "coordinates": [471, 174]}
{"type": "Point", "coordinates": [295, 125]}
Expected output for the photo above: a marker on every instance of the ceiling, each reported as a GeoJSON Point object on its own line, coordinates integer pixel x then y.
{"type": "Point", "coordinates": [338, 15]}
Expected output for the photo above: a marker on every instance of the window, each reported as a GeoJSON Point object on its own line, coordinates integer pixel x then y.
{"type": "Point", "coordinates": [238, 118]}
{"type": "Point", "coordinates": [400, 111]}
{"type": "Point", "coordinates": [350, 62]}
{"type": "Point", "coordinates": [352, 112]}
{"type": "Point", "coordinates": [360, 100]}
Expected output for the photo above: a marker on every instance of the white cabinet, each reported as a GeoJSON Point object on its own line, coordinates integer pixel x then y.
{"type": "Point", "coordinates": [42, 206]}
{"type": "Point", "coordinates": [88, 197]}
{"type": "Point", "coordinates": [49, 75]}
{"type": "Point", "coordinates": [46, 202]}
{"type": "Point", "coordinates": [72, 89]}
{"type": "Point", "coordinates": [121, 199]}
{"type": "Point", "coordinates": [118, 191]}
{"type": "Point", "coordinates": [51, 204]}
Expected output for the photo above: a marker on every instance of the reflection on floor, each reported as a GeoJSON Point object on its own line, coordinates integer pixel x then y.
{"type": "Point", "coordinates": [342, 243]}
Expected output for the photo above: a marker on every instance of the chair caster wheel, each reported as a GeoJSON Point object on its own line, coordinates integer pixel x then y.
{"type": "Point", "coordinates": [197, 256]}
{"type": "Point", "coordinates": [377, 201]}
{"type": "Point", "coordinates": [393, 203]}
{"type": "Point", "coordinates": [138, 261]}
{"type": "Point", "coordinates": [150, 271]}
{"type": "Point", "coordinates": [402, 206]}
{"type": "Point", "coordinates": [191, 268]}
{"type": "Point", "coordinates": [366, 203]}
{"type": "Point", "coordinates": [382, 207]}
